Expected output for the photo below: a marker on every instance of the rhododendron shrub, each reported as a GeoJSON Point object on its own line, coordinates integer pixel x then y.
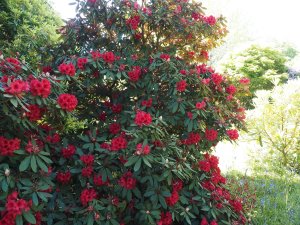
{"type": "Point", "coordinates": [135, 76]}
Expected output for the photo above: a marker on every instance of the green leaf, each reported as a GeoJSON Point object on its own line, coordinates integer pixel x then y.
{"type": "Point", "coordinates": [19, 220]}
{"type": "Point", "coordinates": [33, 164]}
{"type": "Point", "coordinates": [138, 164]}
{"type": "Point", "coordinates": [131, 161]}
{"type": "Point", "coordinates": [4, 185]}
{"type": "Point", "coordinates": [90, 219]}
{"type": "Point", "coordinates": [41, 164]}
{"type": "Point", "coordinates": [24, 164]}
{"type": "Point", "coordinates": [35, 199]}
{"type": "Point", "coordinates": [147, 162]}
{"type": "Point", "coordinates": [29, 217]}
{"type": "Point", "coordinates": [162, 201]}
{"type": "Point", "coordinates": [14, 102]}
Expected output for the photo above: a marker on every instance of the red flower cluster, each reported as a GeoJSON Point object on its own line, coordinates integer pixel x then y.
{"type": "Point", "coordinates": [11, 64]}
{"type": "Point", "coordinates": [55, 138]}
{"type": "Point", "coordinates": [205, 222]}
{"type": "Point", "coordinates": [114, 128]}
{"type": "Point", "coordinates": [67, 69]}
{"type": "Point", "coordinates": [236, 205]}
{"type": "Point", "coordinates": [40, 88]}
{"type": "Point", "coordinates": [204, 54]}
{"type": "Point", "coordinates": [211, 20]}
{"type": "Point", "coordinates": [133, 22]}
{"type": "Point", "coordinates": [181, 85]}
{"type": "Point", "coordinates": [87, 171]}
{"type": "Point", "coordinates": [14, 207]}
{"type": "Point", "coordinates": [147, 103]}
{"type": "Point", "coordinates": [87, 195]}
{"type": "Point", "coordinates": [118, 143]}
{"type": "Point", "coordinates": [117, 108]}
{"type": "Point", "coordinates": [165, 219]}
{"type": "Point", "coordinates": [177, 185]}
{"type": "Point", "coordinates": [173, 199]}
{"type": "Point", "coordinates": [108, 57]}
{"type": "Point", "coordinates": [69, 151]}
{"type": "Point", "coordinates": [35, 113]}
{"type": "Point", "coordinates": [135, 74]}
{"type": "Point", "coordinates": [63, 178]}
{"type": "Point", "coordinates": [216, 78]}
{"type": "Point", "coordinates": [47, 69]}
{"type": "Point", "coordinates": [34, 147]}
{"type": "Point", "coordinates": [165, 57]}
{"type": "Point", "coordinates": [81, 63]}
{"type": "Point", "coordinates": [127, 181]}
{"type": "Point", "coordinates": [142, 150]}
{"type": "Point", "coordinates": [192, 139]}
{"type": "Point", "coordinates": [142, 118]}
{"type": "Point", "coordinates": [96, 55]}
{"type": "Point", "coordinates": [209, 163]}
{"type": "Point", "coordinates": [231, 89]}
{"type": "Point", "coordinates": [233, 134]}
{"type": "Point", "coordinates": [17, 87]}
{"type": "Point", "coordinates": [98, 181]}
{"type": "Point", "coordinates": [8, 146]}
{"type": "Point", "coordinates": [88, 160]}
{"type": "Point", "coordinates": [200, 105]}
{"type": "Point", "coordinates": [211, 134]}
{"type": "Point", "coordinates": [67, 102]}
{"type": "Point", "coordinates": [245, 81]}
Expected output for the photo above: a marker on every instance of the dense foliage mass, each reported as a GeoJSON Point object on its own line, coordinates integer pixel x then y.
{"type": "Point", "coordinates": [27, 28]}
{"type": "Point", "coordinates": [147, 113]}
{"type": "Point", "coordinates": [275, 124]}
{"type": "Point", "coordinates": [264, 66]}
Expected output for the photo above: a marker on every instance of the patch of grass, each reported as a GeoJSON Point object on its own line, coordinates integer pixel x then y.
{"type": "Point", "coordinates": [275, 197]}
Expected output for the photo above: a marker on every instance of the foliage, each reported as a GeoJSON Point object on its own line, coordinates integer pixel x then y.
{"type": "Point", "coordinates": [148, 117]}
{"type": "Point", "coordinates": [27, 28]}
{"type": "Point", "coordinates": [275, 124]}
{"type": "Point", "coordinates": [264, 66]}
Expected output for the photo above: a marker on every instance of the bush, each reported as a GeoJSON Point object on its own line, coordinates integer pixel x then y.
{"type": "Point", "coordinates": [141, 116]}
{"type": "Point", "coordinates": [275, 124]}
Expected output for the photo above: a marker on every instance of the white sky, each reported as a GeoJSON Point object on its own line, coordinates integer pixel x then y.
{"type": "Point", "coordinates": [267, 20]}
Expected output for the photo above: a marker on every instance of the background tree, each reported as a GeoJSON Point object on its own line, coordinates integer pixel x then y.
{"type": "Point", "coordinates": [264, 66]}
{"type": "Point", "coordinates": [28, 28]}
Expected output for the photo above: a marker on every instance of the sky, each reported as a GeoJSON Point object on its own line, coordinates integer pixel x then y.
{"type": "Point", "coordinates": [264, 20]}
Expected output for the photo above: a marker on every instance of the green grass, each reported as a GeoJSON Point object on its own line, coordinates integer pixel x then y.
{"type": "Point", "coordinates": [277, 196]}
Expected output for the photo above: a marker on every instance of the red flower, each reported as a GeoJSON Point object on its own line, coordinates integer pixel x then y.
{"type": "Point", "coordinates": [63, 178]}
{"type": "Point", "coordinates": [67, 102]}
{"type": "Point", "coordinates": [47, 69]}
{"type": "Point", "coordinates": [81, 63]}
{"type": "Point", "coordinates": [118, 143]}
{"type": "Point", "coordinates": [114, 128]}
{"type": "Point", "coordinates": [165, 219]}
{"type": "Point", "coordinates": [17, 87]}
{"type": "Point", "coordinates": [117, 108]}
{"type": "Point", "coordinates": [204, 54]}
{"type": "Point", "coordinates": [133, 22]}
{"type": "Point", "coordinates": [204, 221]}
{"type": "Point", "coordinates": [165, 57]}
{"type": "Point", "coordinates": [87, 171]}
{"type": "Point", "coordinates": [211, 134]}
{"type": "Point", "coordinates": [216, 78]}
{"type": "Point", "coordinates": [231, 89]}
{"type": "Point", "coordinates": [8, 146]}
{"type": "Point", "coordinates": [11, 64]}
{"type": "Point", "coordinates": [108, 57]}
{"type": "Point", "coordinates": [173, 199]}
{"type": "Point", "coordinates": [200, 105]}
{"type": "Point", "coordinates": [40, 88]}
{"type": "Point", "coordinates": [204, 166]}
{"type": "Point", "coordinates": [189, 115]}
{"type": "Point", "coordinates": [67, 69]}
{"type": "Point", "coordinates": [245, 81]}
{"type": "Point", "coordinates": [87, 195]}
{"type": "Point", "coordinates": [16, 206]}
{"type": "Point", "coordinates": [181, 85]}
{"type": "Point", "coordinates": [236, 205]}
{"type": "Point", "coordinates": [142, 150]}
{"type": "Point", "coordinates": [98, 181]}
{"type": "Point", "coordinates": [177, 185]}
{"type": "Point", "coordinates": [135, 74]}
{"type": "Point", "coordinates": [35, 113]}
{"type": "Point", "coordinates": [147, 103]}
{"type": "Point", "coordinates": [233, 134]}
{"type": "Point", "coordinates": [96, 55]}
{"type": "Point", "coordinates": [69, 151]}
{"type": "Point", "coordinates": [92, 1]}
{"type": "Point", "coordinates": [88, 160]}
{"type": "Point", "coordinates": [192, 139]}
{"type": "Point", "coordinates": [211, 20]}
{"type": "Point", "coordinates": [142, 118]}
{"type": "Point", "coordinates": [127, 181]}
